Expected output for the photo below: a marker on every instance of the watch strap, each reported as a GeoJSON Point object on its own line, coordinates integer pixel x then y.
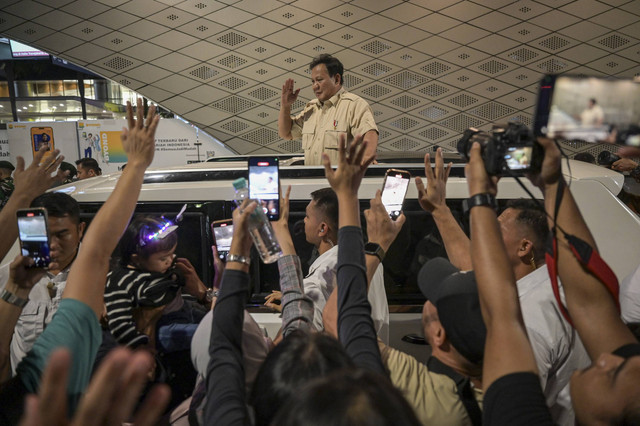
{"type": "Point", "coordinates": [238, 258]}
{"type": "Point", "coordinates": [483, 199]}
{"type": "Point", "coordinates": [374, 249]}
{"type": "Point", "coordinates": [13, 299]}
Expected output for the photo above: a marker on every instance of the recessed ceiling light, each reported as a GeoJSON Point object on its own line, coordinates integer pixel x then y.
{"type": "Point", "coordinates": [30, 105]}
{"type": "Point", "coordinates": [61, 104]}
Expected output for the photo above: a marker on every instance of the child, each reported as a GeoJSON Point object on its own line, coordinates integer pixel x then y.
{"type": "Point", "coordinates": [146, 277]}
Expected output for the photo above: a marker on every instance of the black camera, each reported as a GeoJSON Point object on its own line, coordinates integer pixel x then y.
{"type": "Point", "coordinates": [506, 150]}
{"type": "Point", "coordinates": [605, 158]}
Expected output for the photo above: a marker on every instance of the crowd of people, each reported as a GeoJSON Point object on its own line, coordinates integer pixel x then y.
{"type": "Point", "coordinates": [522, 331]}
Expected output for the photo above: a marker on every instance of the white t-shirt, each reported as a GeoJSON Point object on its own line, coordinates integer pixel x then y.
{"type": "Point", "coordinates": [630, 297]}
{"type": "Point", "coordinates": [321, 281]}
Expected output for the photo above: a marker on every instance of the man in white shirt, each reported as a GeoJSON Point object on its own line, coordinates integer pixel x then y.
{"type": "Point", "coordinates": [65, 231]}
{"type": "Point", "coordinates": [592, 116]}
{"type": "Point", "coordinates": [556, 345]}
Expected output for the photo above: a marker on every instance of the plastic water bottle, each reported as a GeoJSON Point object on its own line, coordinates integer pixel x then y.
{"type": "Point", "coordinates": [259, 226]}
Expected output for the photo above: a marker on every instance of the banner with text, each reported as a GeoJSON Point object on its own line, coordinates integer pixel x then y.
{"type": "Point", "coordinates": [27, 138]}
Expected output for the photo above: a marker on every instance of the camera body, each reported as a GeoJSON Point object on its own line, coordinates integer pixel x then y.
{"type": "Point", "coordinates": [506, 150]}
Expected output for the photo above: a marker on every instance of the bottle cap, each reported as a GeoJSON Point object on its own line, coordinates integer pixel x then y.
{"type": "Point", "coordinates": [240, 183]}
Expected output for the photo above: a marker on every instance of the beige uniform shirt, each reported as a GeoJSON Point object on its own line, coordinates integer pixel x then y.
{"type": "Point", "coordinates": [321, 124]}
{"type": "Point", "coordinates": [433, 396]}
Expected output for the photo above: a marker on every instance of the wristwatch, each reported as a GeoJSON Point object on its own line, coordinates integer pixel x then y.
{"type": "Point", "coordinates": [484, 199]}
{"type": "Point", "coordinates": [374, 249]}
{"type": "Point", "coordinates": [238, 258]}
{"type": "Point", "coordinates": [13, 299]}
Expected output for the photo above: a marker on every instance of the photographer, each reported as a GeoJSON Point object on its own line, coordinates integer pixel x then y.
{"type": "Point", "coordinates": [556, 346]}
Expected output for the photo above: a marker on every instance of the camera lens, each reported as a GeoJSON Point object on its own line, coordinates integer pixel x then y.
{"type": "Point", "coordinates": [605, 158]}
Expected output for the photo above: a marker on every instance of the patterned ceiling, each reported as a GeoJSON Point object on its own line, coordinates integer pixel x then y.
{"type": "Point", "coordinates": [429, 68]}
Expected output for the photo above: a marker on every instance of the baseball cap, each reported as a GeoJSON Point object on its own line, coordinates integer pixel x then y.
{"type": "Point", "coordinates": [454, 293]}
{"type": "Point", "coordinates": [6, 165]}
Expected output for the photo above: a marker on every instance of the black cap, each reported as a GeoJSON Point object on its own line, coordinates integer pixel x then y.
{"type": "Point", "coordinates": [6, 165]}
{"type": "Point", "coordinates": [455, 296]}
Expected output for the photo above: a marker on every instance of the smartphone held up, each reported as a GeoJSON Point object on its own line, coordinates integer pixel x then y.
{"type": "Point", "coordinates": [34, 236]}
{"type": "Point", "coordinates": [394, 190]}
{"type": "Point", "coordinates": [264, 184]}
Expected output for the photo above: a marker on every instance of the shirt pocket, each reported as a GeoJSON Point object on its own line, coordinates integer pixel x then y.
{"type": "Point", "coordinates": [307, 136]}
{"type": "Point", "coordinates": [30, 323]}
{"type": "Point", "coordinates": [332, 138]}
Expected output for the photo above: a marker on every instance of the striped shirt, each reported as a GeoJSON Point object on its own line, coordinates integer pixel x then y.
{"type": "Point", "coordinates": [128, 289]}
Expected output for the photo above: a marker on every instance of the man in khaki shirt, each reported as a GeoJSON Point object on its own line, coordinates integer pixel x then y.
{"type": "Point", "coordinates": [335, 112]}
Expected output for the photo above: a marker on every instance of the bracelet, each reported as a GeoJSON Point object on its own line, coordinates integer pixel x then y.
{"type": "Point", "coordinates": [238, 258]}
{"type": "Point", "coordinates": [13, 299]}
{"type": "Point", "coordinates": [483, 199]}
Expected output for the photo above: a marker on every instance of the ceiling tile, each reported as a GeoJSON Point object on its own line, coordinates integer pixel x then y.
{"type": "Point", "coordinates": [259, 27]}
{"type": "Point", "coordinates": [584, 53]}
{"type": "Point", "coordinates": [525, 9]}
{"type": "Point", "coordinates": [115, 19]}
{"type": "Point", "coordinates": [614, 18]}
{"type": "Point", "coordinates": [376, 91]}
{"type": "Point", "coordinates": [8, 21]}
{"type": "Point", "coordinates": [85, 9]}
{"type": "Point", "coordinates": [632, 30]}
{"type": "Point", "coordinates": [87, 30]}
{"type": "Point", "coordinates": [346, 14]}
{"type": "Point", "coordinates": [144, 30]}
{"type": "Point", "coordinates": [287, 15]}
{"type": "Point", "coordinates": [231, 39]}
{"type": "Point", "coordinates": [197, 7]}
{"type": "Point", "coordinates": [175, 62]}
{"type": "Point", "coordinates": [435, 45]}
{"type": "Point", "coordinates": [172, 17]}
{"type": "Point", "coordinates": [119, 63]}
{"type": "Point", "coordinates": [233, 83]}
{"type": "Point", "coordinates": [260, 50]}
{"type": "Point", "coordinates": [149, 73]}
{"type": "Point", "coordinates": [376, 6]}
{"type": "Point", "coordinates": [88, 53]}
{"type": "Point", "coordinates": [464, 56]}
{"type": "Point", "coordinates": [128, 82]}
{"type": "Point", "coordinates": [207, 115]}
{"type": "Point", "coordinates": [464, 34]}
{"type": "Point", "coordinates": [230, 16]}
{"type": "Point", "coordinates": [143, 8]}
{"type": "Point", "coordinates": [57, 20]}
{"type": "Point", "coordinates": [554, 20]}
{"type": "Point", "coordinates": [319, 7]}
{"type": "Point", "coordinates": [317, 26]}
{"type": "Point", "coordinates": [435, 23]}
{"type": "Point", "coordinates": [174, 40]}
{"type": "Point", "coordinates": [180, 103]}
{"type": "Point", "coordinates": [112, 3]}
{"type": "Point", "coordinates": [585, 9]}
{"type": "Point", "coordinates": [376, 24]}
{"type": "Point", "coordinates": [232, 61]}
{"type": "Point", "coordinates": [27, 9]}
{"type": "Point", "coordinates": [613, 42]}
{"type": "Point", "coordinates": [316, 47]}
{"type": "Point", "coordinates": [405, 57]}
{"type": "Point", "coordinates": [462, 78]}
{"type": "Point", "coordinates": [553, 65]}
{"type": "Point", "coordinates": [49, 3]}
{"type": "Point", "coordinates": [494, 44]}
{"type": "Point", "coordinates": [288, 38]}
{"type": "Point", "coordinates": [495, 21]}
{"type": "Point", "coordinates": [203, 50]}
{"type": "Point", "coordinates": [176, 83]}
{"type": "Point", "coordinates": [612, 64]}
{"type": "Point", "coordinates": [492, 89]}
{"type": "Point", "coordinates": [116, 41]}
{"type": "Point", "coordinates": [465, 11]}
{"type": "Point", "coordinates": [347, 36]}
{"type": "Point", "coordinates": [524, 32]}
{"type": "Point", "coordinates": [584, 31]}
{"type": "Point", "coordinates": [146, 51]}
{"type": "Point", "coordinates": [406, 12]}
{"type": "Point", "coordinates": [30, 32]}
{"type": "Point", "coordinates": [406, 35]}
{"type": "Point", "coordinates": [205, 94]}
{"type": "Point", "coordinates": [522, 76]}
{"type": "Point", "coordinates": [258, 7]}
{"type": "Point", "coordinates": [266, 93]}
{"type": "Point", "coordinates": [157, 95]}
{"type": "Point", "coordinates": [632, 53]}
{"type": "Point", "coordinates": [523, 54]}
{"type": "Point", "coordinates": [59, 42]}
{"type": "Point", "coordinates": [553, 43]}
{"type": "Point", "coordinates": [631, 7]}
{"type": "Point", "coordinates": [520, 99]}
{"type": "Point", "coordinates": [201, 28]}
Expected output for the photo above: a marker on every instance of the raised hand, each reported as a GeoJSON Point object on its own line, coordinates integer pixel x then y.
{"type": "Point", "coordinates": [289, 94]}
{"type": "Point", "coordinates": [380, 228]}
{"type": "Point", "coordinates": [433, 196]}
{"type": "Point", "coordinates": [138, 140]}
{"type": "Point", "coordinates": [624, 165]}
{"type": "Point", "coordinates": [271, 298]}
{"type": "Point", "coordinates": [241, 241]}
{"type": "Point", "coordinates": [192, 283]}
{"type": "Point", "coordinates": [281, 226]}
{"type": "Point", "coordinates": [23, 275]}
{"type": "Point", "coordinates": [551, 170]}
{"type": "Point", "coordinates": [352, 165]}
{"type": "Point", "coordinates": [38, 177]}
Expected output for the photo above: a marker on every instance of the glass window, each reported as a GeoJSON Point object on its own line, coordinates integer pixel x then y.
{"type": "Point", "coordinates": [71, 88]}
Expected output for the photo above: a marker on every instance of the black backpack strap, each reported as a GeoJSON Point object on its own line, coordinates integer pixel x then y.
{"type": "Point", "coordinates": [463, 385]}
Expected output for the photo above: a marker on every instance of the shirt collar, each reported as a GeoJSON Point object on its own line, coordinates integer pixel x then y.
{"type": "Point", "coordinates": [332, 100]}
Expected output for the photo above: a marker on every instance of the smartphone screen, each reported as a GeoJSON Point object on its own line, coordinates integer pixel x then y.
{"type": "Point", "coordinates": [41, 137]}
{"type": "Point", "coordinates": [264, 184]}
{"type": "Point", "coordinates": [589, 109]}
{"type": "Point", "coordinates": [223, 233]}
{"type": "Point", "coordinates": [394, 189]}
{"type": "Point", "coordinates": [34, 238]}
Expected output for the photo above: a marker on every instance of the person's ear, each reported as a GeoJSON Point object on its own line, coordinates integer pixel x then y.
{"type": "Point", "coordinates": [337, 78]}
{"type": "Point", "coordinates": [525, 251]}
{"type": "Point", "coordinates": [81, 227]}
{"type": "Point", "coordinates": [91, 173]}
{"type": "Point", "coordinates": [439, 335]}
{"type": "Point", "coordinates": [324, 229]}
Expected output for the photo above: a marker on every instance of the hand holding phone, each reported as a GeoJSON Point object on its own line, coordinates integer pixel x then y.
{"type": "Point", "coordinates": [223, 234]}
{"type": "Point", "coordinates": [34, 236]}
{"type": "Point", "coordinates": [394, 190]}
{"type": "Point", "coordinates": [264, 184]}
